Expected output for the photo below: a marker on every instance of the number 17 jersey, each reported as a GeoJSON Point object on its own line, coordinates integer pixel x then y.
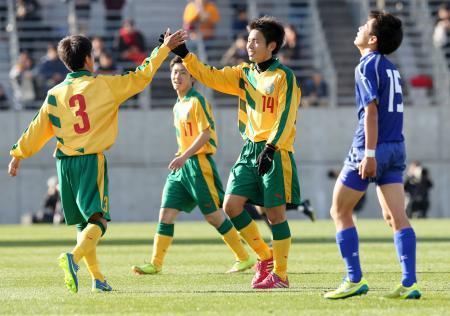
{"type": "Point", "coordinates": [377, 79]}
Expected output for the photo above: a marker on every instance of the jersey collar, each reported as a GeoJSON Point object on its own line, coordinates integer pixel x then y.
{"type": "Point", "coordinates": [363, 58]}
{"type": "Point", "coordinates": [78, 74]}
{"type": "Point", "coordinates": [189, 94]}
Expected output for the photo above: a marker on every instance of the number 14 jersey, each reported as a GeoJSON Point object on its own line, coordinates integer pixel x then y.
{"type": "Point", "coordinates": [82, 111]}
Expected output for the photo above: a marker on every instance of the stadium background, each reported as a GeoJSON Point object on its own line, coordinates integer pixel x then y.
{"type": "Point", "coordinates": [146, 142]}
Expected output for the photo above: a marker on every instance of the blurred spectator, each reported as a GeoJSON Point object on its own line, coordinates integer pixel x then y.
{"type": "Point", "coordinates": [4, 103]}
{"type": "Point", "coordinates": [442, 29]}
{"type": "Point", "coordinates": [113, 13]}
{"type": "Point", "coordinates": [28, 10]}
{"type": "Point", "coordinates": [98, 48]}
{"type": "Point", "coordinates": [200, 18]}
{"type": "Point", "coordinates": [49, 72]}
{"type": "Point", "coordinates": [237, 53]}
{"type": "Point", "coordinates": [83, 10]}
{"type": "Point", "coordinates": [315, 91]}
{"type": "Point", "coordinates": [417, 187]}
{"type": "Point", "coordinates": [131, 43]}
{"type": "Point", "coordinates": [291, 49]}
{"type": "Point", "coordinates": [240, 20]}
{"type": "Point", "coordinates": [22, 80]}
{"type": "Point", "coordinates": [106, 65]}
{"type": "Point", "coordinates": [51, 208]}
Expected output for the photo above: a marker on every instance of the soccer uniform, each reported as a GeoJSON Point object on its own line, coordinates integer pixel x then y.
{"type": "Point", "coordinates": [377, 79]}
{"type": "Point", "coordinates": [82, 113]}
{"type": "Point", "coordinates": [268, 104]}
{"type": "Point", "coordinates": [197, 182]}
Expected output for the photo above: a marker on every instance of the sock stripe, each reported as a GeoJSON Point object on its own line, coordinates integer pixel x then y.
{"type": "Point", "coordinates": [81, 226]}
{"type": "Point", "coordinates": [225, 227]}
{"type": "Point", "coordinates": [100, 225]}
{"type": "Point", "coordinates": [165, 229]}
{"type": "Point", "coordinates": [242, 220]}
{"type": "Point", "coordinates": [281, 231]}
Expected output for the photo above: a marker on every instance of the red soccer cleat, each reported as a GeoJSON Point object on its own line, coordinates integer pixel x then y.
{"type": "Point", "coordinates": [272, 281]}
{"type": "Point", "coordinates": [263, 269]}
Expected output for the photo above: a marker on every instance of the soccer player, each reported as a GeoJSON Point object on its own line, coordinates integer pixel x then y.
{"type": "Point", "coordinates": [265, 173]}
{"type": "Point", "coordinates": [82, 113]}
{"type": "Point", "coordinates": [194, 179]}
{"type": "Point", "coordinates": [377, 155]}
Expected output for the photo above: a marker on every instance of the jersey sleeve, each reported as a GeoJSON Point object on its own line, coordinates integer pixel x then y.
{"type": "Point", "coordinates": [225, 80]}
{"type": "Point", "coordinates": [288, 102]}
{"type": "Point", "coordinates": [367, 82]}
{"type": "Point", "coordinates": [202, 117]}
{"type": "Point", "coordinates": [38, 133]}
{"type": "Point", "coordinates": [128, 84]}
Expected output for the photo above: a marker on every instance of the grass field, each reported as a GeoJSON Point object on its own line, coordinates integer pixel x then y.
{"type": "Point", "coordinates": [193, 281]}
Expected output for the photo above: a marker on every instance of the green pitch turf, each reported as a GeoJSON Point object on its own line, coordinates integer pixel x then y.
{"type": "Point", "coordinates": [193, 280]}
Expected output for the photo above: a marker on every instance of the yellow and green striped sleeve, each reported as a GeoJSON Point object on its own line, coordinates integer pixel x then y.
{"type": "Point", "coordinates": [38, 133]}
{"type": "Point", "coordinates": [288, 101]}
{"type": "Point", "coordinates": [225, 80]}
{"type": "Point", "coordinates": [130, 83]}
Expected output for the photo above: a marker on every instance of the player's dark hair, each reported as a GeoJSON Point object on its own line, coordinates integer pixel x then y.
{"type": "Point", "coordinates": [388, 30]}
{"type": "Point", "coordinates": [272, 30]}
{"type": "Point", "coordinates": [175, 60]}
{"type": "Point", "coordinates": [73, 50]}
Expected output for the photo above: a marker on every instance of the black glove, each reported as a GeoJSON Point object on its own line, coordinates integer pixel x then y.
{"type": "Point", "coordinates": [265, 159]}
{"type": "Point", "coordinates": [180, 50]}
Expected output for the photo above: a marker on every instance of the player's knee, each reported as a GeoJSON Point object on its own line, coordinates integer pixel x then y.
{"type": "Point", "coordinates": [100, 222]}
{"type": "Point", "coordinates": [230, 208]}
{"type": "Point", "coordinates": [166, 216]}
{"type": "Point", "coordinates": [214, 219]}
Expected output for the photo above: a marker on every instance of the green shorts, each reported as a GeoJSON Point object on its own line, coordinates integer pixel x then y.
{"type": "Point", "coordinates": [196, 183]}
{"type": "Point", "coordinates": [83, 185]}
{"type": "Point", "coordinates": [277, 187]}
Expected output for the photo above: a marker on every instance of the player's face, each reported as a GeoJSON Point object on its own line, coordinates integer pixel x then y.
{"type": "Point", "coordinates": [181, 79]}
{"type": "Point", "coordinates": [363, 37]}
{"type": "Point", "coordinates": [257, 48]}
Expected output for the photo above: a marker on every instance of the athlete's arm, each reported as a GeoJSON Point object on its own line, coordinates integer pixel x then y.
{"type": "Point", "coordinates": [225, 80]}
{"type": "Point", "coordinates": [198, 143]}
{"type": "Point", "coordinates": [126, 85]}
{"type": "Point", "coordinates": [368, 166]}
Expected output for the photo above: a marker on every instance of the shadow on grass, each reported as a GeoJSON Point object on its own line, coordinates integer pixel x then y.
{"type": "Point", "coordinates": [195, 241]}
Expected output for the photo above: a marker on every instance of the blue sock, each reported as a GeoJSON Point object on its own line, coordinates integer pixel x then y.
{"type": "Point", "coordinates": [348, 243]}
{"type": "Point", "coordinates": [405, 243]}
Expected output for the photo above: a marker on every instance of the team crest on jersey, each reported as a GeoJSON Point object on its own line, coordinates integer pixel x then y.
{"type": "Point", "coordinates": [269, 88]}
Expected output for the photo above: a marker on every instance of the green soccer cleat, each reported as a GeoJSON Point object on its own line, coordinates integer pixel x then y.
{"type": "Point", "coordinates": [405, 293]}
{"type": "Point", "coordinates": [70, 269]}
{"type": "Point", "coordinates": [146, 268]}
{"type": "Point", "coordinates": [99, 286]}
{"type": "Point", "coordinates": [348, 289]}
{"type": "Point", "coordinates": [240, 266]}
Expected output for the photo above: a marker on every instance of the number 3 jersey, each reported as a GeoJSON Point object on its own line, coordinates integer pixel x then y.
{"type": "Point", "coordinates": [192, 114]}
{"type": "Point", "coordinates": [268, 101]}
{"type": "Point", "coordinates": [82, 111]}
{"type": "Point", "coordinates": [377, 79]}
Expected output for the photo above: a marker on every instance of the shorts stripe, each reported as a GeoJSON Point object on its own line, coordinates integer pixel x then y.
{"type": "Point", "coordinates": [287, 174]}
{"type": "Point", "coordinates": [101, 177]}
{"type": "Point", "coordinates": [208, 175]}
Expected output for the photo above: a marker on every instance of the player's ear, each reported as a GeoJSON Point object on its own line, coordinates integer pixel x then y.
{"type": "Point", "coordinates": [272, 46]}
{"type": "Point", "coordinates": [373, 40]}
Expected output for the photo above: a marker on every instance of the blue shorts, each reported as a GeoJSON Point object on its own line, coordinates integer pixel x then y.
{"type": "Point", "coordinates": [390, 166]}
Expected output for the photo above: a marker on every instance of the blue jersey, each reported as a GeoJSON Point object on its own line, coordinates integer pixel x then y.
{"type": "Point", "coordinates": [376, 78]}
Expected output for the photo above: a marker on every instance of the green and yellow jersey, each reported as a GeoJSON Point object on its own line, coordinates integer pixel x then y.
{"type": "Point", "coordinates": [192, 115]}
{"type": "Point", "coordinates": [268, 101]}
{"type": "Point", "coordinates": [82, 111]}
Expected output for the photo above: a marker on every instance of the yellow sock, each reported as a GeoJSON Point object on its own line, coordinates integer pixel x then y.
{"type": "Point", "coordinates": [90, 259]}
{"type": "Point", "coordinates": [252, 236]}
{"type": "Point", "coordinates": [280, 256]}
{"type": "Point", "coordinates": [87, 241]}
{"type": "Point", "coordinates": [232, 240]}
{"type": "Point", "coordinates": [160, 246]}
